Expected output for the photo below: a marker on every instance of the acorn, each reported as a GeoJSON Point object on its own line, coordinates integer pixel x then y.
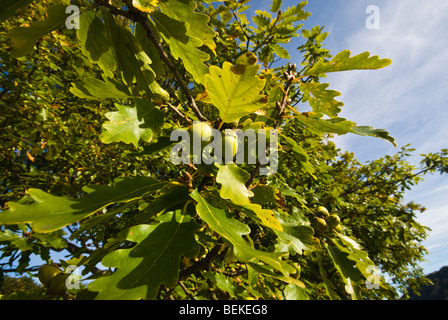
{"type": "Point", "coordinates": [47, 273]}
{"type": "Point", "coordinates": [333, 220]}
{"type": "Point", "coordinates": [321, 225]}
{"type": "Point", "coordinates": [323, 211]}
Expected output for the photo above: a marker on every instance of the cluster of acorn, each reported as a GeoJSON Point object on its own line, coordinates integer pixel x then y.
{"type": "Point", "coordinates": [53, 279]}
{"type": "Point", "coordinates": [203, 132]}
{"type": "Point", "coordinates": [325, 221]}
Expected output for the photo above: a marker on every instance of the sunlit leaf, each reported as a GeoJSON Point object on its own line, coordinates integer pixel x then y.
{"type": "Point", "coordinates": [235, 89]}
{"type": "Point", "coordinates": [343, 62]}
{"type": "Point", "coordinates": [233, 231]}
{"type": "Point", "coordinates": [130, 124]}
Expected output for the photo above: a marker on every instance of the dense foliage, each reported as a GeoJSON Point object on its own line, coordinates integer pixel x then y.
{"type": "Point", "coordinates": [86, 118]}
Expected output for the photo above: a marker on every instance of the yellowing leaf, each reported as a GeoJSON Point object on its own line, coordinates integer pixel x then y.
{"type": "Point", "coordinates": [145, 5]}
{"type": "Point", "coordinates": [233, 231]}
{"type": "Point", "coordinates": [197, 26]}
{"type": "Point", "coordinates": [235, 90]}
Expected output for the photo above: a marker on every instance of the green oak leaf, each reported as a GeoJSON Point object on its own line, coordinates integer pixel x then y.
{"type": "Point", "coordinates": [346, 268]}
{"type": "Point", "coordinates": [355, 253]}
{"type": "Point", "coordinates": [130, 124]}
{"type": "Point", "coordinates": [265, 217]}
{"type": "Point", "coordinates": [95, 89]}
{"type": "Point", "coordinates": [235, 89]}
{"type": "Point", "coordinates": [197, 23]}
{"type": "Point", "coordinates": [341, 126]}
{"type": "Point", "coordinates": [222, 282]}
{"type": "Point", "coordinates": [295, 292]}
{"type": "Point", "coordinates": [296, 235]}
{"type": "Point", "coordinates": [174, 197]}
{"type": "Point", "coordinates": [343, 62]}
{"type": "Point", "coordinates": [153, 261]}
{"type": "Point", "coordinates": [47, 213]}
{"type": "Point", "coordinates": [275, 6]}
{"type": "Point", "coordinates": [321, 99]}
{"type": "Point", "coordinates": [95, 44]}
{"type": "Point", "coordinates": [280, 51]}
{"type": "Point", "coordinates": [182, 46]}
{"type": "Point", "coordinates": [372, 132]}
{"type": "Point", "coordinates": [149, 47]}
{"type": "Point", "coordinates": [9, 7]}
{"type": "Point", "coordinates": [233, 231]}
{"type": "Point", "coordinates": [232, 179]}
{"type": "Point", "coordinates": [24, 38]}
{"type": "Point", "coordinates": [301, 156]}
{"type": "Point", "coordinates": [267, 270]}
{"type": "Point", "coordinates": [133, 63]}
{"type": "Point", "coordinates": [264, 195]}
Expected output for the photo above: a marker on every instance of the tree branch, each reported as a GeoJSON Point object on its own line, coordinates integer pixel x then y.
{"type": "Point", "coordinates": [290, 76]}
{"type": "Point", "coordinates": [138, 16]}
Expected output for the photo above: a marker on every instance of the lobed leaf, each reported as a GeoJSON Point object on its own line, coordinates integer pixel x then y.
{"type": "Point", "coordinates": [182, 45]}
{"type": "Point", "coordinates": [321, 99]}
{"type": "Point", "coordinates": [95, 44]}
{"type": "Point", "coordinates": [233, 231]}
{"type": "Point", "coordinates": [130, 124]}
{"type": "Point", "coordinates": [153, 261]}
{"type": "Point", "coordinates": [197, 23]}
{"type": "Point", "coordinates": [235, 89]}
{"type": "Point", "coordinates": [47, 213]}
{"type": "Point", "coordinates": [343, 62]}
{"type": "Point", "coordinates": [95, 89]}
{"type": "Point", "coordinates": [145, 5]}
{"type": "Point", "coordinates": [341, 126]}
{"type": "Point", "coordinates": [232, 179]}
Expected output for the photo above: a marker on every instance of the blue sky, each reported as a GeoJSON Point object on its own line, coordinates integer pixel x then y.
{"type": "Point", "coordinates": [409, 98]}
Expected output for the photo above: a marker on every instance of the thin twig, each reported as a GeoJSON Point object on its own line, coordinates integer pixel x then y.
{"type": "Point", "coordinates": [188, 292]}
{"type": "Point", "coordinates": [177, 111]}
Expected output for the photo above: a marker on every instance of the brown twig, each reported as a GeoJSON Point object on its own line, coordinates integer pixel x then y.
{"type": "Point", "coordinates": [188, 292]}
{"type": "Point", "coordinates": [177, 111]}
